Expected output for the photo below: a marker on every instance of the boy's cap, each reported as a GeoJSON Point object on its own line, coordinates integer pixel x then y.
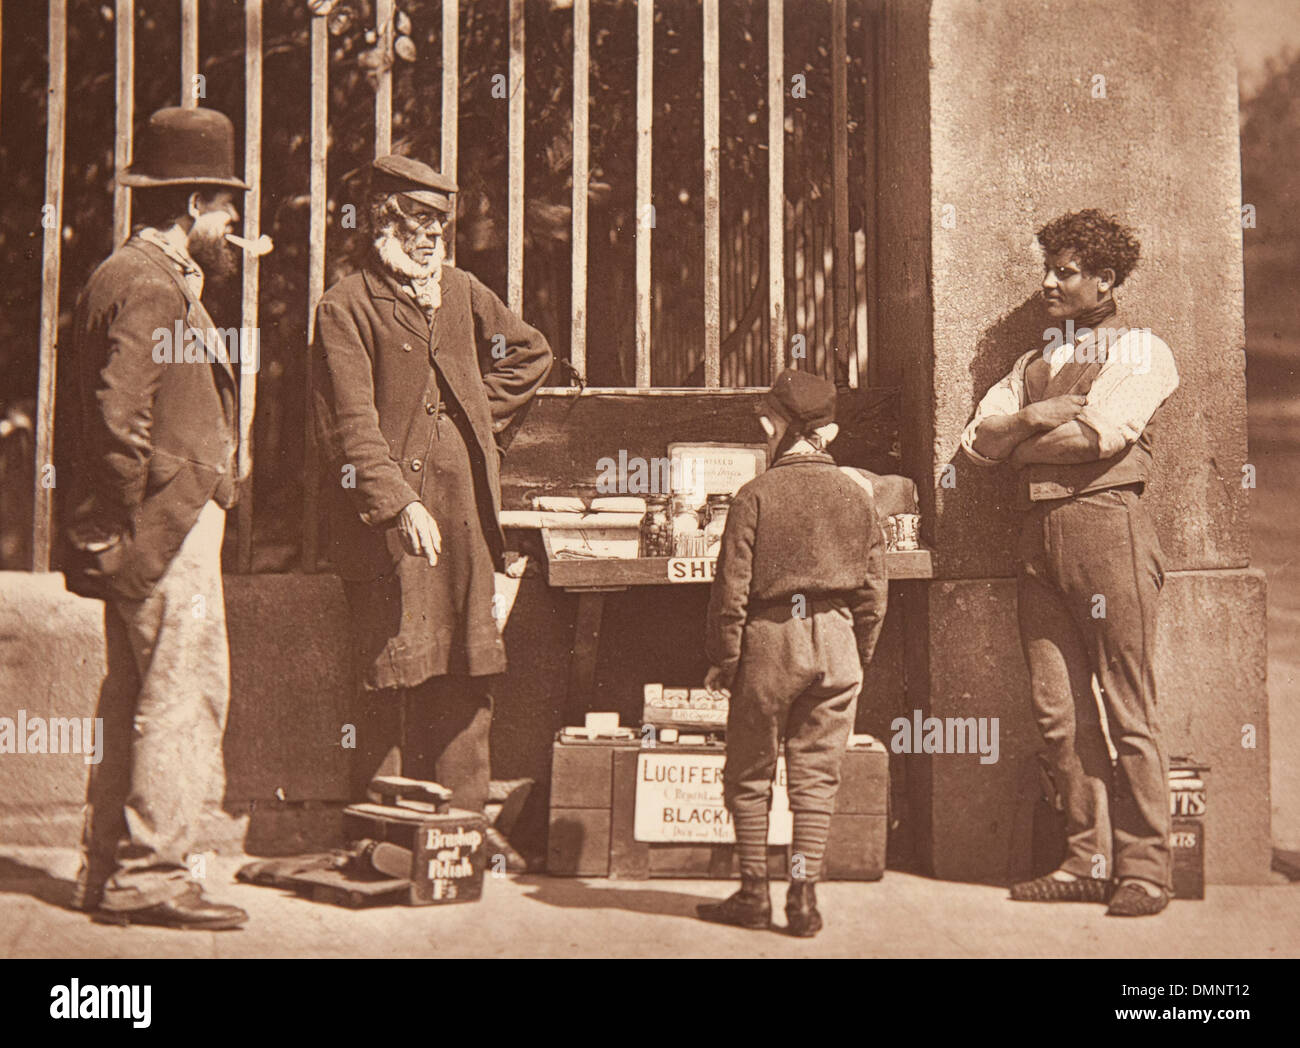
{"type": "Point", "coordinates": [804, 399]}
{"type": "Point", "coordinates": [400, 174]}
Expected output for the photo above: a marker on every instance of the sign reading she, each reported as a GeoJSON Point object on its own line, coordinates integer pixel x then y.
{"type": "Point", "coordinates": [692, 569]}
{"type": "Point", "coordinates": [679, 799]}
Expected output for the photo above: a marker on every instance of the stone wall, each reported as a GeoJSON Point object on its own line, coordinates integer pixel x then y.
{"type": "Point", "coordinates": [1015, 131]}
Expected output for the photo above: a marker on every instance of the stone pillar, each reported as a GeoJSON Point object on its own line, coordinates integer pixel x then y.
{"type": "Point", "coordinates": [996, 117]}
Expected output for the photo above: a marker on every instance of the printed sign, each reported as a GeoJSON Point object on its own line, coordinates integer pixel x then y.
{"type": "Point", "coordinates": [450, 857]}
{"type": "Point", "coordinates": [717, 468]}
{"type": "Point", "coordinates": [679, 800]}
{"type": "Point", "coordinates": [691, 569]}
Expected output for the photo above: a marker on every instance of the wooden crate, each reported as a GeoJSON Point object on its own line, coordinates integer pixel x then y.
{"type": "Point", "coordinates": [448, 850]}
{"type": "Point", "coordinates": [593, 804]}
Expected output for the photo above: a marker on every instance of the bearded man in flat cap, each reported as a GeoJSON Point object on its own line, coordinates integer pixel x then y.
{"type": "Point", "coordinates": [420, 368]}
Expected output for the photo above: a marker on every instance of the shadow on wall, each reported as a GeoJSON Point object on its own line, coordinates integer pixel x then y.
{"type": "Point", "coordinates": [984, 490]}
{"type": "Point", "coordinates": [1001, 345]}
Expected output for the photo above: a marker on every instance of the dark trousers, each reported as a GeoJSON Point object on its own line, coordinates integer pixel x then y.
{"type": "Point", "coordinates": [1090, 576]}
{"type": "Point", "coordinates": [437, 730]}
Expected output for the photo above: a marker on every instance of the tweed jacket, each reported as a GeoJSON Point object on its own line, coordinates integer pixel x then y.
{"type": "Point", "coordinates": [157, 435]}
{"type": "Point", "coordinates": [375, 386]}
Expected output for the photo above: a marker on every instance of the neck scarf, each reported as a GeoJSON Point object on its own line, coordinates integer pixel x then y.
{"type": "Point", "coordinates": [1090, 318]}
{"type": "Point", "coordinates": [179, 257]}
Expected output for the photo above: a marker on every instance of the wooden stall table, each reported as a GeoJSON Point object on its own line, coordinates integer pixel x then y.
{"type": "Point", "coordinates": [593, 579]}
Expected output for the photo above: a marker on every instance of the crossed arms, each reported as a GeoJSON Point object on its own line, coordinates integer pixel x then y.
{"type": "Point", "coordinates": [1072, 427]}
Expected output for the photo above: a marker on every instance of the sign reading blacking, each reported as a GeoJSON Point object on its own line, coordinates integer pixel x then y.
{"type": "Point", "coordinates": [679, 799]}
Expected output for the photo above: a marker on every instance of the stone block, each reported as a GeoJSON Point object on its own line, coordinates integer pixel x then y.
{"type": "Point", "coordinates": [1210, 674]}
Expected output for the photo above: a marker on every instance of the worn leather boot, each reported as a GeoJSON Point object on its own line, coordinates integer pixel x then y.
{"type": "Point", "coordinates": [801, 909]}
{"type": "Point", "coordinates": [751, 907]}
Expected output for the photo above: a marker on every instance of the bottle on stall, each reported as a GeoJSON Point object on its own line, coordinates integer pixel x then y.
{"type": "Point", "coordinates": [719, 506]}
{"type": "Point", "coordinates": [687, 535]}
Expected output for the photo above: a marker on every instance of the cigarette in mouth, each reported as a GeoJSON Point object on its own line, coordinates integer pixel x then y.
{"type": "Point", "coordinates": [256, 248]}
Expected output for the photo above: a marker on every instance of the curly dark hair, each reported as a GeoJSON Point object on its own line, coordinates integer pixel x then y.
{"type": "Point", "coordinates": [1099, 241]}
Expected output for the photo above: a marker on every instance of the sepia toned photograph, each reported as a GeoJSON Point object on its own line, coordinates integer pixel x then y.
{"type": "Point", "coordinates": [625, 479]}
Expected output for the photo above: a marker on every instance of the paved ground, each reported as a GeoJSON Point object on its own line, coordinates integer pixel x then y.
{"type": "Point", "coordinates": [901, 916]}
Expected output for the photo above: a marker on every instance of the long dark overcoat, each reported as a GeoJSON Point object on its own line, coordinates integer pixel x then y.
{"type": "Point", "coordinates": [403, 409]}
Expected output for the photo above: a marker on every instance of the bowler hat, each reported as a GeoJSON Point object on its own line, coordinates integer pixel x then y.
{"type": "Point", "coordinates": [400, 174]}
{"type": "Point", "coordinates": [805, 400]}
{"type": "Point", "coordinates": [181, 147]}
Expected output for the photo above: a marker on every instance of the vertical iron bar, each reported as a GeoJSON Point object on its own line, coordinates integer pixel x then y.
{"type": "Point", "coordinates": [189, 52]}
{"type": "Point", "coordinates": [450, 105]}
{"type": "Point", "coordinates": [776, 184]}
{"type": "Point", "coordinates": [250, 334]}
{"type": "Point", "coordinates": [315, 279]}
{"type": "Point", "coordinates": [581, 177]}
{"type": "Point", "coordinates": [515, 235]}
{"type": "Point", "coordinates": [124, 31]}
{"type": "Point", "coordinates": [384, 87]}
{"type": "Point", "coordinates": [841, 250]}
{"type": "Point", "coordinates": [645, 42]}
{"type": "Point", "coordinates": [712, 204]}
{"type": "Point", "coordinates": [56, 99]}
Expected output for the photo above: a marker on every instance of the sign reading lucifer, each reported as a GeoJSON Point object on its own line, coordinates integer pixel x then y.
{"type": "Point", "coordinates": [679, 800]}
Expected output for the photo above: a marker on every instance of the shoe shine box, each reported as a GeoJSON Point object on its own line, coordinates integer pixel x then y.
{"type": "Point", "coordinates": [624, 808]}
{"type": "Point", "coordinates": [448, 848]}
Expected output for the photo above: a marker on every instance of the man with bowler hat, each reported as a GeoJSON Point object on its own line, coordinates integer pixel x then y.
{"type": "Point", "coordinates": [420, 370]}
{"type": "Point", "coordinates": [156, 474]}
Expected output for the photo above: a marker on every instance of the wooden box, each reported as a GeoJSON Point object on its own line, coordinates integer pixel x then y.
{"type": "Point", "coordinates": [448, 849]}
{"type": "Point", "coordinates": [593, 817]}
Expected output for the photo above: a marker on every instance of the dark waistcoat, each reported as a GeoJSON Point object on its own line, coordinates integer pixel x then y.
{"type": "Point", "coordinates": [1043, 481]}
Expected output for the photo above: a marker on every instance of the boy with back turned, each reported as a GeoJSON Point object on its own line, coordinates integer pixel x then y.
{"type": "Point", "coordinates": [797, 603]}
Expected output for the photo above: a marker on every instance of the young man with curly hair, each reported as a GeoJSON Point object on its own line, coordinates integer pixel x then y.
{"type": "Point", "coordinates": [1075, 420]}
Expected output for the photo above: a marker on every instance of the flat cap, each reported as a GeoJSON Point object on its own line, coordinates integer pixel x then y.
{"type": "Point", "coordinates": [401, 174]}
{"type": "Point", "coordinates": [805, 400]}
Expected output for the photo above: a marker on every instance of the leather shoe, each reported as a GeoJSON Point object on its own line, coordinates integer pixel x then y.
{"type": "Point", "coordinates": [1049, 889]}
{"type": "Point", "coordinates": [189, 911]}
{"type": "Point", "coordinates": [801, 909]}
{"type": "Point", "coordinates": [1132, 900]}
{"type": "Point", "coordinates": [751, 907]}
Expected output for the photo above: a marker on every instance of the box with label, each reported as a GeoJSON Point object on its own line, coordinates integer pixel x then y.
{"type": "Point", "coordinates": [447, 849]}
{"type": "Point", "coordinates": [629, 810]}
{"type": "Point", "coordinates": [1187, 828]}
{"type": "Point", "coordinates": [690, 709]}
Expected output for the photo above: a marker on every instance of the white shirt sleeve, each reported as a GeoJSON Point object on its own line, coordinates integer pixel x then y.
{"type": "Point", "coordinates": [1139, 375]}
{"type": "Point", "coordinates": [1003, 398]}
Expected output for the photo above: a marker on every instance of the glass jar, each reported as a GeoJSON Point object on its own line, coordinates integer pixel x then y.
{"type": "Point", "coordinates": [686, 518]}
{"type": "Point", "coordinates": [719, 506]}
{"type": "Point", "coordinates": [656, 528]}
